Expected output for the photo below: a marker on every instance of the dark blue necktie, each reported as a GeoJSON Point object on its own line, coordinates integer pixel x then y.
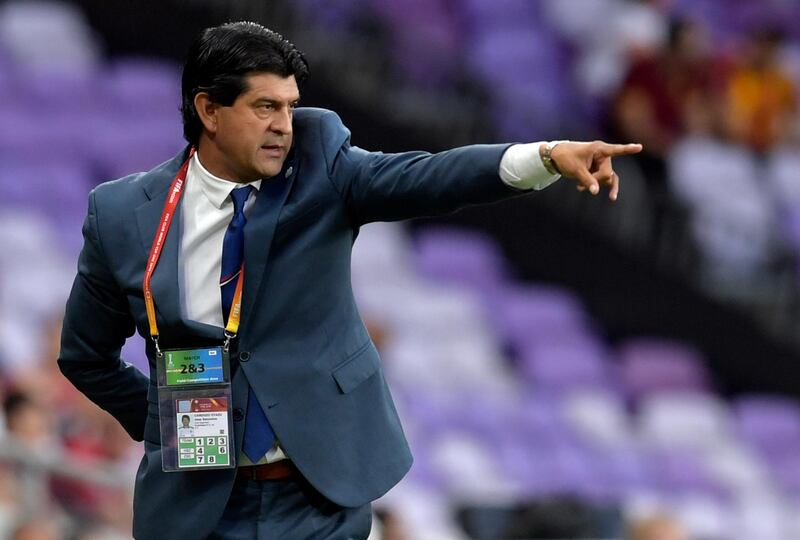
{"type": "Point", "coordinates": [258, 434]}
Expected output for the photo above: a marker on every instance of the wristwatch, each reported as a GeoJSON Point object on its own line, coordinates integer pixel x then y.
{"type": "Point", "coordinates": [547, 158]}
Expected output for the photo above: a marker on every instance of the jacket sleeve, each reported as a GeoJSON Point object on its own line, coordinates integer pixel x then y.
{"type": "Point", "coordinates": [97, 321]}
{"type": "Point", "coordinates": [388, 187]}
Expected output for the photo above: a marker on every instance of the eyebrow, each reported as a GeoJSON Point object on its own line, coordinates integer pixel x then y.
{"type": "Point", "coordinates": [272, 101]}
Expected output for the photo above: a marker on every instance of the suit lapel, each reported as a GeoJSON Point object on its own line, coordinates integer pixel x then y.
{"type": "Point", "coordinates": [259, 231]}
{"type": "Point", "coordinates": [165, 283]}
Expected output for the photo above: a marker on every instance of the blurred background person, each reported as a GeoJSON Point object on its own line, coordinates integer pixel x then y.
{"type": "Point", "coordinates": [656, 528]}
{"type": "Point", "coordinates": [30, 424]}
{"type": "Point", "coordinates": [761, 97]}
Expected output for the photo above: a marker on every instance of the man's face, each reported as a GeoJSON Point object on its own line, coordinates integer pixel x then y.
{"type": "Point", "coordinates": [254, 134]}
{"type": "Point", "coordinates": [185, 421]}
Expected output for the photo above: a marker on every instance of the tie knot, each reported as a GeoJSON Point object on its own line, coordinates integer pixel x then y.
{"type": "Point", "coordinates": [239, 196]}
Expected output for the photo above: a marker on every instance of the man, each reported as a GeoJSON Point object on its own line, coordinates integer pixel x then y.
{"type": "Point", "coordinates": [186, 429]}
{"type": "Point", "coordinates": [316, 435]}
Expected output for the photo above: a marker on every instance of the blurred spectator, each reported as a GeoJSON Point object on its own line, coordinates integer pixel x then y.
{"type": "Point", "coordinates": [391, 525]}
{"type": "Point", "coordinates": [9, 499]}
{"type": "Point", "coordinates": [761, 95]}
{"type": "Point", "coordinates": [92, 531]}
{"type": "Point", "coordinates": [38, 528]}
{"type": "Point", "coordinates": [29, 423]}
{"type": "Point", "coordinates": [655, 105]}
{"type": "Point", "coordinates": [656, 528]}
{"type": "Point", "coordinates": [41, 377]}
{"type": "Point", "coordinates": [638, 28]}
{"type": "Point", "coordinates": [651, 104]}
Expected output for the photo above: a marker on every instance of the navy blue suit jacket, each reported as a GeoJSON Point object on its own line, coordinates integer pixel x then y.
{"type": "Point", "coordinates": [308, 355]}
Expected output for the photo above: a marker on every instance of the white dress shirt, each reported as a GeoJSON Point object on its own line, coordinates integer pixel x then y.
{"type": "Point", "coordinates": [521, 167]}
{"type": "Point", "coordinates": [207, 210]}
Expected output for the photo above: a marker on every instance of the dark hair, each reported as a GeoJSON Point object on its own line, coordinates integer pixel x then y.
{"type": "Point", "coordinates": [14, 402]}
{"type": "Point", "coordinates": [677, 30]}
{"type": "Point", "coordinates": [220, 59]}
{"type": "Point", "coordinates": [185, 416]}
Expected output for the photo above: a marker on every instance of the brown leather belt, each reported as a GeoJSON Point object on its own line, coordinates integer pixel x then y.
{"type": "Point", "coordinates": [276, 470]}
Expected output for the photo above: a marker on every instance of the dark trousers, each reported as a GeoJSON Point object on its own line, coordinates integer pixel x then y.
{"type": "Point", "coordinates": [288, 509]}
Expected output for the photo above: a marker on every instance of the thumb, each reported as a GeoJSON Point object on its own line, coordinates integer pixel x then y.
{"type": "Point", "coordinates": [587, 181]}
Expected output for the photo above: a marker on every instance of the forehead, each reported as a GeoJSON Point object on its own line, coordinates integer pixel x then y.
{"type": "Point", "coordinates": [271, 86]}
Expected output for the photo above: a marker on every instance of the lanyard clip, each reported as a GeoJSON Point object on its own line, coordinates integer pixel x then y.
{"type": "Point", "coordinates": [227, 344]}
{"type": "Point", "coordinates": [159, 354]}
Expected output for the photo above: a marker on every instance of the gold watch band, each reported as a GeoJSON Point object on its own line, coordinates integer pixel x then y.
{"type": "Point", "coordinates": [547, 158]}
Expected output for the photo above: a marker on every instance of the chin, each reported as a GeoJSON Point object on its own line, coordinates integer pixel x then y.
{"type": "Point", "coordinates": [269, 173]}
{"type": "Point", "coordinates": [271, 169]}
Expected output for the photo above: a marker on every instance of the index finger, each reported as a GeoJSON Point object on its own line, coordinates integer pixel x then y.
{"type": "Point", "coordinates": [611, 150]}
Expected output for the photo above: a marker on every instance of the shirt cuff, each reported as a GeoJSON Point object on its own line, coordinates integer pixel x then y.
{"type": "Point", "coordinates": [521, 167]}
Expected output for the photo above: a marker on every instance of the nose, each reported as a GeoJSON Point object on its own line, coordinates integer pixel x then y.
{"type": "Point", "coordinates": [282, 121]}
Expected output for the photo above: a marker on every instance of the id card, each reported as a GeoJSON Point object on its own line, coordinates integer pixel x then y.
{"type": "Point", "coordinates": [194, 409]}
{"type": "Point", "coordinates": [193, 366]}
{"type": "Point", "coordinates": [202, 429]}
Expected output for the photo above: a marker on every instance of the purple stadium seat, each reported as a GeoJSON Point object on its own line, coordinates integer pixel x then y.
{"type": "Point", "coordinates": [121, 147]}
{"type": "Point", "coordinates": [771, 424]}
{"type": "Point", "coordinates": [31, 136]}
{"type": "Point", "coordinates": [786, 472]}
{"type": "Point", "coordinates": [137, 87]}
{"type": "Point", "coordinates": [430, 412]}
{"type": "Point", "coordinates": [540, 414]}
{"type": "Point", "coordinates": [525, 105]}
{"type": "Point", "coordinates": [600, 417]}
{"type": "Point", "coordinates": [333, 16]}
{"type": "Point", "coordinates": [793, 228]}
{"type": "Point", "coordinates": [685, 419]}
{"type": "Point", "coordinates": [625, 471]}
{"type": "Point", "coordinates": [490, 15]}
{"type": "Point", "coordinates": [526, 315]}
{"type": "Point", "coordinates": [459, 256]}
{"type": "Point", "coordinates": [25, 183]}
{"type": "Point", "coordinates": [652, 365]}
{"type": "Point", "coordinates": [56, 91]}
{"type": "Point", "coordinates": [64, 207]}
{"type": "Point", "coordinates": [565, 367]}
{"type": "Point", "coordinates": [680, 472]}
{"type": "Point", "coordinates": [557, 463]}
{"type": "Point", "coordinates": [508, 58]}
{"type": "Point", "coordinates": [424, 40]}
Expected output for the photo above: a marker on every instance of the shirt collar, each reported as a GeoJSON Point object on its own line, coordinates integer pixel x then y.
{"type": "Point", "coordinates": [215, 188]}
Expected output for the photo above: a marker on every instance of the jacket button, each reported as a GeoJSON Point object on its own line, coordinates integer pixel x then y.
{"type": "Point", "coordinates": [238, 415]}
{"type": "Point", "coordinates": [244, 356]}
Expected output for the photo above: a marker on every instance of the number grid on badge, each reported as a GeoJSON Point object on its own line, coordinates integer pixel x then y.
{"type": "Point", "coordinates": [203, 451]}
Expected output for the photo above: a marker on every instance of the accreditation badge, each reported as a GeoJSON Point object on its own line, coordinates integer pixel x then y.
{"type": "Point", "coordinates": [194, 385]}
{"type": "Point", "coordinates": [194, 402]}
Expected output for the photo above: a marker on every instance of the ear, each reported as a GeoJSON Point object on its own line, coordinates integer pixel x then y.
{"type": "Point", "coordinates": [207, 111]}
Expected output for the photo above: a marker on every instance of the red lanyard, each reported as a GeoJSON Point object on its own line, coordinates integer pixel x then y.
{"type": "Point", "coordinates": [174, 197]}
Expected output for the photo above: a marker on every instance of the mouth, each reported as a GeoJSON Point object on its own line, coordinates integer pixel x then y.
{"type": "Point", "coordinates": [273, 150]}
